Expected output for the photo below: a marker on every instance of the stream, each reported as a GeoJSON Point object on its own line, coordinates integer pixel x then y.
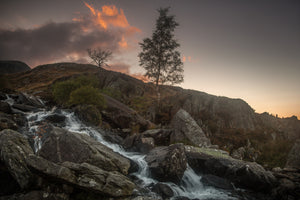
{"type": "Point", "coordinates": [190, 186]}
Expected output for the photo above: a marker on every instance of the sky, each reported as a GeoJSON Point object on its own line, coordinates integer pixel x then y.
{"type": "Point", "coordinates": [235, 48]}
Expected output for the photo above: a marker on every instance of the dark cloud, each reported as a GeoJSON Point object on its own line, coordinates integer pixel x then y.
{"type": "Point", "coordinates": [54, 42]}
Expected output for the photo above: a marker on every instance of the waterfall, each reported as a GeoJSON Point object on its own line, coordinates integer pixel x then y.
{"type": "Point", "coordinates": [190, 185]}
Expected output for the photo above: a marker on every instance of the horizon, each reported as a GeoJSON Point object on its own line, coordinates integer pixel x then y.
{"type": "Point", "coordinates": [249, 50]}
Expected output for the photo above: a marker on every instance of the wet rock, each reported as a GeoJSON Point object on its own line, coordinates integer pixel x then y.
{"type": "Point", "coordinates": [163, 190]}
{"type": "Point", "coordinates": [248, 175]}
{"type": "Point", "coordinates": [62, 145]}
{"type": "Point", "coordinates": [167, 163]}
{"type": "Point", "coordinates": [24, 108]}
{"type": "Point", "coordinates": [161, 136]}
{"type": "Point", "coordinates": [37, 195]}
{"type": "Point", "coordinates": [187, 131]}
{"type": "Point", "coordinates": [138, 143]}
{"type": "Point", "coordinates": [8, 184]}
{"type": "Point", "coordinates": [5, 107]}
{"type": "Point", "coordinates": [89, 114]}
{"type": "Point", "coordinates": [26, 99]}
{"type": "Point", "coordinates": [217, 182]}
{"type": "Point", "coordinates": [56, 119]}
{"type": "Point", "coordinates": [15, 149]}
{"type": "Point", "coordinates": [12, 121]}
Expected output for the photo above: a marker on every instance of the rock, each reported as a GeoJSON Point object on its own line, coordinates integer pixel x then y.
{"type": "Point", "coordinates": [163, 190]}
{"type": "Point", "coordinates": [121, 116]}
{"type": "Point", "coordinates": [161, 136]}
{"type": "Point", "coordinates": [167, 163]}
{"type": "Point", "coordinates": [186, 130]}
{"type": "Point", "coordinates": [62, 145]}
{"type": "Point", "coordinates": [89, 114]}
{"type": "Point", "coordinates": [15, 149]}
{"type": "Point", "coordinates": [5, 107]}
{"type": "Point", "coordinates": [8, 184]}
{"type": "Point", "coordinates": [24, 107]}
{"type": "Point", "coordinates": [138, 143]}
{"type": "Point", "coordinates": [216, 182]}
{"type": "Point", "coordinates": [111, 136]}
{"type": "Point", "coordinates": [37, 195]}
{"type": "Point", "coordinates": [248, 175]}
{"type": "Point", "coordinates": [83, 176]}
{"type": "Point", "coordinates": [56, 119]}
{"type": "Point", "coordinates": [12, 121]}
{"type": "Point", "coordinates": [11, 66]}
{"type": "Point", "coordinates": [293, 160]}
{"type": "Point", "coordinates": [26, 99]}
{"type": "Point", "coordinates": [7, 123]}
{"type": "Point", "coordinates": [239, 153]}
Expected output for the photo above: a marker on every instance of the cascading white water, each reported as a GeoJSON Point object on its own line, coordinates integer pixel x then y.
{"type": "Point", "coordinates": [190, 187]}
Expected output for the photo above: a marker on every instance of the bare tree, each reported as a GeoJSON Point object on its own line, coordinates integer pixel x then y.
{"type": "Point", "coordinates": [99, 56]}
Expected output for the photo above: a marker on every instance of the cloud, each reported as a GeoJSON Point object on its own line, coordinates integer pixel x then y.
{"type": "Point", "coordinates": [68, 41]}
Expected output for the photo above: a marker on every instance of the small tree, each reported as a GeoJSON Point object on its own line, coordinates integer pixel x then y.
{"type": "Point", "coordinates": [159, 56]}
{"type": "Point", "coordinates": [99, 56]}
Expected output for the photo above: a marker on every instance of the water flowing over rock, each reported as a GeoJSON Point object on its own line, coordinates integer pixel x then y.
{"type": "Point", "coordinates": [186, 130]}
{"type": "Point", "coordinates": [14, 150]}
{"type": "Point", "coordinates": [167, 163]}
{"type": "Point", "coordinates": [249, 175]}
{"type": "Point", "coordinates": [62, 145]}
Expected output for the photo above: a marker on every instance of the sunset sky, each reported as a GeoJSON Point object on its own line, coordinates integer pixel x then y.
{"type": "Point", "coordinates": [234, 48]}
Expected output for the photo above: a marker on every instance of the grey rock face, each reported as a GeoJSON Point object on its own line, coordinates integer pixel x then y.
{"type": "Point", "coordinates": [186, 130]}
{"type": "Point", "coordinates": [293, 160]}
{"type": "Point", "coordinates": [15, 149]}
{"type": "Point", "coordinates": [248, 175]}
{"type": "Point", "coordinates": [84, 176]}
{"type": "Point", "coordinates": [167, 163]}
{"type": "Point", "coordinates": [62, 145]}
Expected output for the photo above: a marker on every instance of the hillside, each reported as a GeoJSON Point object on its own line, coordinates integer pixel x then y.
{"type": "Point", "coordinates": [230, 123]}
{"type": "Point", "coordinates": [9, 67]}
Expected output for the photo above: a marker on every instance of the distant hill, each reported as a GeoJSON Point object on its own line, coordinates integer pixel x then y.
{"type": "Point", "coordinates": [9, 67]}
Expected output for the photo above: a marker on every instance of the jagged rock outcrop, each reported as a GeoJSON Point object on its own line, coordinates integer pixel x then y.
{"type": "Point", "coordinates": [248, 175]}
{"type": "Point", "coordinates": [84, 176]}
{"type": "Point", "coordinates": [121, 116]}
{"type": "Point", "coordinates": [14, 150]}
{"type": "Point", "coordinates": [9, 67]}
{"type": "Point", "coordinates": [167, 163]}
{"type": "Point", "coordinates": [187, 131]}
{"type": "Point", "coordinates": [62, 145]}
{"type": "Point", "coordinates": [293, 160]}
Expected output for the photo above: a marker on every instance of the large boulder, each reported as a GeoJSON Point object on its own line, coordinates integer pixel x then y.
{"type": "Point", "coordinates": [186, 130]}
{"type": "Point", "coordinates": [167, 163]}
{"type": "Point", "coordinates": [14, 150]}
{"type": "Point", "coordinates": [121, 116]}
{"type": "Point", "coordinates": [248, 175]}
{"type": "Point", "coordinates": [62, 145]}
{"type": "Point", "coordinates": [293, 160]}
{"type": "Point", "coordinates": [137, 142]}
{"type": "Point", "coordinates": [83, 176]}
{"type": "Point", "coordinates": [161, 136]}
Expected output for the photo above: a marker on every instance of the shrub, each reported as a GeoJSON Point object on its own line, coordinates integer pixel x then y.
{"type": "Point", "coordinates": [87, 95]}
{"type": "Point", "coordinates": [275, 153]}
{"type": "Point", "coordinates": [61, 91]}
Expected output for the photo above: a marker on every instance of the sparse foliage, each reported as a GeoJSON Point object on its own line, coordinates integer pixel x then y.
{"type": "Point", "coordinates": [99, 56]}
{"type": "Point", "coordinates": [159, 56]}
